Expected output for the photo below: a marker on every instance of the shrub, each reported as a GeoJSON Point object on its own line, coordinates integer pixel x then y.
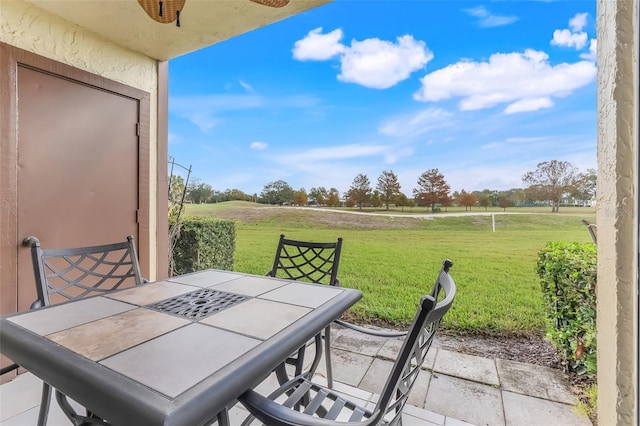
{"type": "Point", "coordinates": [568, 275]}
{"type": "Point", "coordinates": [204, 243]}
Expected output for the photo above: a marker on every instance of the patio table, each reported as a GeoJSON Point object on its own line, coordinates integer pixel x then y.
{"type": "Point", "coordinates": [172, 352]}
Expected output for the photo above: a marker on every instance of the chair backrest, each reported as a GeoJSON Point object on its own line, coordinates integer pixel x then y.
{"type": "Point", "coordinates": [414, 348]}
{"type": "Point", "coordinates": [74, 273]}
{"type": "Point", "coordinates": [307, 261]}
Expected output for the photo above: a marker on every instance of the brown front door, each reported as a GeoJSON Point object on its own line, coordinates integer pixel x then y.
{"type": "Point", "coordinates": [77, 177]}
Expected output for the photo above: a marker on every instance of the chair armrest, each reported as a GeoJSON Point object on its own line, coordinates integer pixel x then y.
{"type": "Point", "coordinates": [370, 331]}
{"type": "Point", "coordinates": [274, 414]}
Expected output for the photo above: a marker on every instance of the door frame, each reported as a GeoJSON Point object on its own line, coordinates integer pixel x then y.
{"type": "Point", "coordinates": [13, 57]}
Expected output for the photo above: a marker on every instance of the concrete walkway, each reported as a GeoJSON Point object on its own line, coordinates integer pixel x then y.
{"type": "Point", "coordinates": [454, 389]}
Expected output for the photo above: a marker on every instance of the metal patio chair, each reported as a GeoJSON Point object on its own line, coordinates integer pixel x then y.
{"type": "Point", "coordinates": [75, 273]}
{"type": "Point", "coordinates": [314, 262]}
{"type": "Point", "coordinates": [593, 230]}
{"type": "Point", "coordinates": [304, 403]}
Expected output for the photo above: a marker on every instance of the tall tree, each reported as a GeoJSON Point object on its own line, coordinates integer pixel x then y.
{"type": "Point", "coordinates": [300, 197]}
{"type": "Point", "coordinates": [333, 198]}
{"type": "Point", "coordinates": [236, 194]}
{"type": "Point", "coordinates": [389, 187]}
{"type": "Point", "coordinates": [485, 200]}
{"type": "Point", "coordinates": [505, 202]}
{"type": "Point", "coordinates": [277, 192]}
{"type": "Point", "coordinates": [318, 195]}
{"type": "Point", "coordinates": [360, 190]}
{"type": "Point", "coordinates": [375, 199]}
{"type": "Point", "coordinates": [199, 192]}
{"type": "Point", "coordinates": [586, 185]}
{"type": "Point", "coordinates": [446, 202]}
{"type": "Point", "coordinates": [402, 201]}
{"type": "Point", "coordinates": [432, 188]}
{"type": "Point", "coordinates": [517, 196]}
{"type": "Point", "coordinates": [467, 199]}
{"type": "Point", "coordinates": [551, 180]}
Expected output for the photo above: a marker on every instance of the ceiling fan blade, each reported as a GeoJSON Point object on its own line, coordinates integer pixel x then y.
{"type": "Point", "coordinates": [272, 3]}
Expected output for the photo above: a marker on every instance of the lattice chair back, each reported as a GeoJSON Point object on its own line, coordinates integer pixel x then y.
{"type": "Point", "coordinates": [414, 348]}
{"type": "Point", "coordinates": [74, 273]}
{"type": "Point", "coordinates": [300, 401]}
{"type": "Point", "coordinates": [307, 261]}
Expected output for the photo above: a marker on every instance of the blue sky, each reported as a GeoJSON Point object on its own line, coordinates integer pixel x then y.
{"type": "Point", "coordinates": [483, 91]}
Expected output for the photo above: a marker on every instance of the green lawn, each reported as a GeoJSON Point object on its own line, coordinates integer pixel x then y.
{"type": "Point", "coordinates": [393, 261]}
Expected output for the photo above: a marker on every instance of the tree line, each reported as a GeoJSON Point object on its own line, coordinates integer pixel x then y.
{"type": "Point", "coordinates": [550, 183]}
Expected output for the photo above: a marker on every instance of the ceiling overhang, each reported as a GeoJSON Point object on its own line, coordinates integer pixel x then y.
{"type": "Point", "coordinates": [202, 22]}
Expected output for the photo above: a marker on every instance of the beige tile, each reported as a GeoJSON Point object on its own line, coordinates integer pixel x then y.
{"type": "Point", "coordinates": [464, 366]}
{"type": "Point", "coordinates": [151, 293]}
{"type": "Point", "coordinates": [51, 319]}
{"type": "Point", "coordinates": [303, 294]}
{"type": "Point", "coordinates": [180, 359]}
{"type": "Point", "coordinates": [206, 278]}
{"type": "Point", "coordinates": [105, 337]}
{"type": "Point", "coordinates": [527, 410]}
{"type": "Point", "coordinates": [248, 317]}
{"type": "Point", "coordinates": [541, 382]}
{"type": "Point", "coordinates": [250, 286]}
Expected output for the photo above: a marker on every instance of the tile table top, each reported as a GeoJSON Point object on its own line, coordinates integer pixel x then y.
{"type": "Point", "coordinates": [162, 367]}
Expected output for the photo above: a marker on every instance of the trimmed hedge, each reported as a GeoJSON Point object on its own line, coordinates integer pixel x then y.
{"type": "Point", "coordinates": [204, 243]}
{"type": "Point", "coordinates": [568, 274]}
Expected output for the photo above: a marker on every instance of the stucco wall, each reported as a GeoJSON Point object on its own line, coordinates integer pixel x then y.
{"type": "Point", "coordinates": [617, 212]}
{"type": "Point", "coordinates": [34, 30]}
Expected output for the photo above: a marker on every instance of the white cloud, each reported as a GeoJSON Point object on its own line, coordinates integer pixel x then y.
{"type": "Point", "coordinates": [174, 139]}
{"type": "Point", "coordinates": [380, 64]}
{"type": "Point", "coordinates": [317, 46]}
{"type": "Point", "coordinates": [204, 110]}
{"type": "Point", "coordinates": [203, 120]}
{"type": "Point", "coordinates": [566, 38]}
{"type": "Point", "coordinates": [246, 86]}
{"type": "Point", "coordinates": [578, 22]}
{"type": "Point", "coordinates": [574, 36]}
{"type": "Point", "coordinates": [373, 63]}
{"type": "Point", "coordinates": [392, 156]}
{"type": "Point", "coordinates": [344, 152]}
{"type": "Point", "coordinates": [518, 79]}
{"type": "Point", "coordinates": [527, 140]}
{"type": "Point", "coordinates": [415, 124]}
{"type": "Point", "coordinates": [336, 166]}
{"type": "Point", "coordinates": [529, 105]}
{"type": "Point", "coordinates": [259, 146]}
{"type": "Point", "coordinates": [593, 51]}
{"type": "Point", "coordinates": [487, 19]}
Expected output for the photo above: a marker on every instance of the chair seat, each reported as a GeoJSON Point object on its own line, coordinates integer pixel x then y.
{"type": "Point", "coordinates": [309, 399]}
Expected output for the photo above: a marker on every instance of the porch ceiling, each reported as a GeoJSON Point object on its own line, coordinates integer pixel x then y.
{"type": "Point", "coordinates": [203, 22]}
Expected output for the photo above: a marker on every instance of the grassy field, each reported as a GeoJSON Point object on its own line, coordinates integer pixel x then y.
{"type": "Point", "coordinates": [394, 260]}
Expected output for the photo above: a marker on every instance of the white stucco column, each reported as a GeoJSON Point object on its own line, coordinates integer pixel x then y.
{"type": "Point", "coordinates": [617, 212]}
